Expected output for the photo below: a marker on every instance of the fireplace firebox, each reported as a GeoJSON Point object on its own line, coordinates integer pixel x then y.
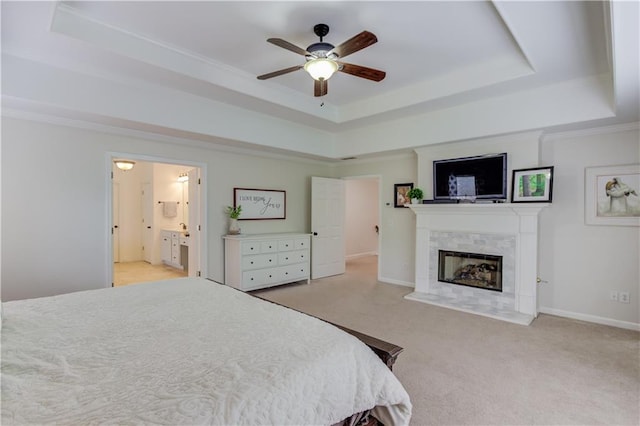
{"type": "Point", "coordinates": [470, 269]}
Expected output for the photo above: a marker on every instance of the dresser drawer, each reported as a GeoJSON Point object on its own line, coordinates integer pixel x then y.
{"type": "Point", "coordinates": [259, 261]}
{"type": "Point", "coordinates": [259, 278]}
{"type": "Point", "coordinates": [294, 272]}
{"type": "Point", "coordinates": [301, 244]}
{"type": "Point", "coordinates": [285, 245]}
{"type": "Point", "coordinates": [268, 247]}
{"type": "Point", "coordinates": [290, 257]}
{"type": "Point", "coordinates": [250, 247]}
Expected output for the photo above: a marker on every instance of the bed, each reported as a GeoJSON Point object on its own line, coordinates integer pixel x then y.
{"type": "Point", "coordinates": [182, 352]}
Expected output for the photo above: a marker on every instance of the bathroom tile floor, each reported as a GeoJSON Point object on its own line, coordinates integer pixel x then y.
{"type": "Point", "coordinates": [125, 273]}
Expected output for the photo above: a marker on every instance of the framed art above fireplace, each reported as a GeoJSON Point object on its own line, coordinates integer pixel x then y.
{"type": "Point", "coordinates": [532, 185]}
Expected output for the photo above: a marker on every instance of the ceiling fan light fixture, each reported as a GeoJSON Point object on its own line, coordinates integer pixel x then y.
{"type": "Point", "coordinates": [321, 68]}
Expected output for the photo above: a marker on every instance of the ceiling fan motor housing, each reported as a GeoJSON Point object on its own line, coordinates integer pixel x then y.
{"type": "Point", "coordinates": [321, 50]}
{"type": "Point", "coordinates": [321, 30]}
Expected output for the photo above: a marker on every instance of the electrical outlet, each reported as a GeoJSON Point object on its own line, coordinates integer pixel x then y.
{"type": "Point", "coordinates": [613, 296]}
{"type": "Point", "coordinates": [623, 297]}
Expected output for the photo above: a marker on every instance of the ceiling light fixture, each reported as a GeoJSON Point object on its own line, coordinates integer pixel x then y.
{"type": "Point", "coordinates": [321, 68]}
{"type": "Point", "coordinates": [183, 177]}
{"type": "Point", "coordinates": [124, 165]}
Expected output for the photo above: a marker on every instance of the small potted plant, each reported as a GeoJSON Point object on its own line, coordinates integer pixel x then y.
{"type": "Point", "coordinates": [416, 195]}
{"type": "Point", "coordinates": [234, 214]}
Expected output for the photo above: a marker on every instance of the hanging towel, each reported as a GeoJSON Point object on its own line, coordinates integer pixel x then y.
{"type": "Point", "coordinates": [170, 208]}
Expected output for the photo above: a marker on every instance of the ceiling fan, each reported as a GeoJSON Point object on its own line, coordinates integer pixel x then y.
{"type": "Point", "coordinates": [322, 59]}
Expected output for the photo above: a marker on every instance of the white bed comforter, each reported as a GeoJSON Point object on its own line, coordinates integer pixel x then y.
{"type": "Point", "coordinates": [182, 352]}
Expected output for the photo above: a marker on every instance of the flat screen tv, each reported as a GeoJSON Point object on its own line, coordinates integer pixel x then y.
{"type": "Point", "coordinates": [481, 177]}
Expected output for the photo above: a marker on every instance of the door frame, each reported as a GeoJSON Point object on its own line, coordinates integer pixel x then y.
{"type": "Point", "coordinates": [115, 233]}
{"type": "Point", "coordinates": [378, 178]}
{"type": "Point", "coordinates": [110, 156]}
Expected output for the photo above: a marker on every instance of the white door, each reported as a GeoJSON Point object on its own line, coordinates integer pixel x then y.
{"type": "Point", "coordinates": [327, 227]}
{"type": "Point", "coordinates": [115, 226]}
{"type": "Point", "coordinates": [195, 228]}
{"type": "Point", "coordinates": [147, 223]}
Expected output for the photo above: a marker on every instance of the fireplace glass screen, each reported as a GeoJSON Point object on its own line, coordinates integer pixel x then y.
{"type": "Point", "coordinates": [470, 269]}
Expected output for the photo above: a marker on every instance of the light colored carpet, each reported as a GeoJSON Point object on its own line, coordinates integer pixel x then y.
{"type": "Point", "coordinates": [462, 368]}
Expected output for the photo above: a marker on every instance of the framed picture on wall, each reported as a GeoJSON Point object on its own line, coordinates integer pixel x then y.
{"type": "Point", "coordinates": [532, 185]}
{"type": "Point", "coordinates": [260, 203]}
{"type": "Point", "coordinates": [612, 195]}
{"type": "Point", "coordinates": [400, 194]}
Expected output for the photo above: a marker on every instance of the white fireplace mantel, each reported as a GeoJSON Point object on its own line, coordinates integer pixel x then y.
{"type": "Point", "coordinates": [513, 221]}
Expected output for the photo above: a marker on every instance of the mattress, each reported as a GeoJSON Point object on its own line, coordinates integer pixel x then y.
{"type": "Point", "coordinates": [185, 351]}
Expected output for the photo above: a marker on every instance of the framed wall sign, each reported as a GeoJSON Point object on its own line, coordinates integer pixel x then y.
{"type": "Point", "coordinates": [532, 185]}
{"type": "Point", "coordinates": [260, 203]}
{"type": "Point", "coordinates": [612, 195]}
{"type": "Point", "coordinates": [400, 191]}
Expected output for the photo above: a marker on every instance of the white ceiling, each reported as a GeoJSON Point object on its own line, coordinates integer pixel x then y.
{"type": "Point", "coordinates": [443, 61]}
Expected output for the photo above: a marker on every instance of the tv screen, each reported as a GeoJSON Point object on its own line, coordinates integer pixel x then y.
{"type": "Point", "coordinates": [480, 177]}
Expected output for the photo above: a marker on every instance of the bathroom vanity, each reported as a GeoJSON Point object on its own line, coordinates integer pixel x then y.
{"type": "Point", "coordinates": [174, 248]}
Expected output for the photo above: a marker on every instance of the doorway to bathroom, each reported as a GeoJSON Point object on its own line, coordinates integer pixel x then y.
{"type": "Point", "coordinates": [157, 217]}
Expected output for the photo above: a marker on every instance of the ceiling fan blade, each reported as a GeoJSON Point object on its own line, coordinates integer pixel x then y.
{"type": "Point", "coordinates": [279, 72]}
{"type": "Point", "coordinates": [289, 46]}
{"type": "Point", "coordinates": [320, 88]}
{"type": "Point", "coordinates": [363, 72]}
{"type": "Point", "coordinates": [358, 42]}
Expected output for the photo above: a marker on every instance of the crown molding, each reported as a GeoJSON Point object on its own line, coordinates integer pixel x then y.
{"type": "Point", "coordinates": [614, 128]}
{"type": "Point", "coordinates": [155, 137]}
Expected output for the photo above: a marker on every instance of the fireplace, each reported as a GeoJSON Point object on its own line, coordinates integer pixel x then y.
{"type": "Point", "coordinates": [506, 230]}
{"type": "Point", "coordinates": [470, 269]}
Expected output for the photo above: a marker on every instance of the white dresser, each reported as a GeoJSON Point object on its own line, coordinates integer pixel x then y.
{"type": "Point", "coordinates": [265, 260]}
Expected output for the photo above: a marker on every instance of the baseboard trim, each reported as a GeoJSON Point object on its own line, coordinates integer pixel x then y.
{"type": "Point", "coordinates": [590, 318]}
{"type": "Point", "coordinates": [396, 282]}
{"type": "Point", "coordinates": [357, 255]}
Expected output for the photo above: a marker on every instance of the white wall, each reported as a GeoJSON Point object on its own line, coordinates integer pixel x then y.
{"type": "Point", "coordinates": [584, 263]}
{"type": "Point", "coordinates": [54, 206]}
{"type": "Point", "coordinates": [362, 216]}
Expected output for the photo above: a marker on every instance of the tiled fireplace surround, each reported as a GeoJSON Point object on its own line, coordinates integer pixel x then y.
{"type": "Point", "coordinates": [507, 230]}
